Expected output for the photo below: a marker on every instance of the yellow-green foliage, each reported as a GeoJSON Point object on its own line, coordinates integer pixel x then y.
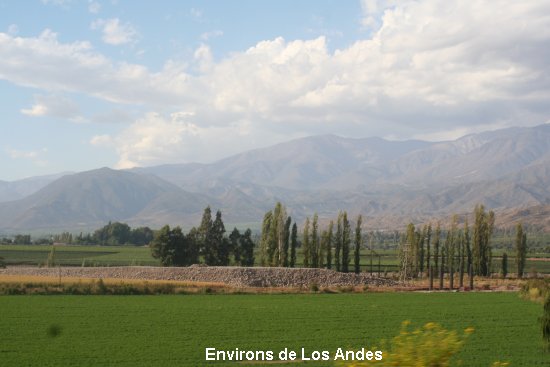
{"type": "Point", "coordinates": [428, 346]}
{"type": "Point", "coordinates": [536, 290]}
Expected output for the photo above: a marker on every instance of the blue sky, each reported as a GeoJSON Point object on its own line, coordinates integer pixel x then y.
{"type": "Point", "coordinates": [87, 84]}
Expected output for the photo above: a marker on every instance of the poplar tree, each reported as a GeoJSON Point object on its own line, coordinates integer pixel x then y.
{"type": "Point", "coordinates": [314, 243]}
{"type": "Point", "coordinates": [437, 238]}
{"type": "Point", "coordinates": [286, 241]}
{"type": "Point", "coordinates": [421, 239]}
{"type": "Point", "coordinates": [206, 240]}
{"type": "Point", "coordinates": [483, 230]}
{"type": "Point", "coordinates": [521, 250]}
{"type": "Point", "coordinates": [504, 266]}
{"type": "Point", "coordinates": [293, 245]}
{"type": "Point", "coordinates": [346, 240]}
{"type": "Point", "coordinates": [274, 235]}
{"type": "Point", "coordinates": [357, 254]}
{"type": "Point", "coordinates": [329, 245]}
{"type": "Point", "coordinates": [338, 242]}
{"type": "Point", "coordinates": [428, 243]}
{"type": "Point", "coordinates": [409, 253]}
{"type": "Point", "coordinates": [467, 245]}
{"type": "Point", "coordinates": [306, 248]}
{"type": "Point", "coordinates": [265, 238]}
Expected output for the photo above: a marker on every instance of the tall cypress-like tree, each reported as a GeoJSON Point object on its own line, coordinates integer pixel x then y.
{"type": "Point", "coordinates": [521, 249]}
{"type": "Point", "coordinates": [338, 241]}
{"type": "Point", "coordinates": [504, 265]}
{"type": "Point", "coordinates": [346, 242]}
{"type": "Point", "coordinates": [329, 245]}
{"type": "Point", "coordinates": [437, 239]}
{"type": "Point", "coordinates": [467, 246]}
{"type": "Point", "coordinates": [265, 238]}
{"type": "Point", "coordinates": [357, 250]}
{"type": "Point", "coordinates": [422, 250]}
{"type": "Point", "coordinates": [273, 249]}
{"type": "Point", "coordinates": [483, 230]}
{"type": "Point", "coordinates": [286, 243]}
{"type": "Point", "coordinates": [293, 245]}
{"type": "Point", "coordinates": [428, 246]}
{"type": "Point", "coordinates": [306, 248]}
{"type": "Point", "coordinates": [206, 240]}
{"type": "Point", "coordinates": [314, 243]}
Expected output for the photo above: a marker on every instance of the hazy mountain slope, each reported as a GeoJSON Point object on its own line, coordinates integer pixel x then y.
{"type": "Point", "coordinates": [91, 198]}
{"type": "Point", "coordinates": [15, 190]}
{"type": "Point", "coordinates": [302, 164]}
{"type": "Point", "coordinates": [473, 158]}
{"type": "Point", "coordinates": [388, 182]}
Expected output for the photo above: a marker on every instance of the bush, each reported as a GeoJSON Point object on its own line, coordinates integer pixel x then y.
{"type": "Point", "coordinates": [314, 287]}
{"type": "Point", "coordinates": [536, 289]}
{"type": "Point", "coordinates": [428, 346]}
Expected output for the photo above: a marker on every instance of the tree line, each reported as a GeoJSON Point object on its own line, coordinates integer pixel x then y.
{"type": "Point", "coordinates": [457, 250]}
{"type": "Point", "coordinates": [112, 234]}
{"type": "Point", "coordinates": [326, 249]}
{"type": "Point", "coordinates": [207, 242]}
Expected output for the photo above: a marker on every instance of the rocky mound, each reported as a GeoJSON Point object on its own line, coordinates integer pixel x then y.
{"type": "Point", "coordinates": [234, 276]}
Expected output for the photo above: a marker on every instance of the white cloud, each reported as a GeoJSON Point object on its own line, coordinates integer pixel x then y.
{"type": "Point", "coordinates": [54, 106]}
{"type": "Point", "coordinates": [426, 68]}
{"type": "Point", "coordinates": [94, 7]}
{"type": "Point", "coordinates": [114, 32]}
{"type": "Point", "coordinates": [101, 140]}
{"type": "Point", "coordinates": [174, 138]}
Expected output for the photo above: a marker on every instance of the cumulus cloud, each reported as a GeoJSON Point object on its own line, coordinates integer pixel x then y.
{"type": "Point", "coordinates": [158, 138]}
{"type": "Point", "coordinates": [45, 63]}
{"type": "Point", "coordinates": [114, 32]}
{"type": "Point", "coordinates": [426, 67]}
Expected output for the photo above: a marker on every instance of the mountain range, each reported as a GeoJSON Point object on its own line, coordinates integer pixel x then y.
{"type": "Point", "coordinates": [389, 182]}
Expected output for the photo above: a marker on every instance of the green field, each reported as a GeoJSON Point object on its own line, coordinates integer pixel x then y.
{"type": "Point", "coordinates": [78, 255]}
{"type": "Point", "coordinates": [175, 330]}
{"type": "Point", "coordinates": [134, 255]}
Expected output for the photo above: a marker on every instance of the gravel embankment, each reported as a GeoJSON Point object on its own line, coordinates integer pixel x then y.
{"type": "Point", "coordinates": [234, 276]}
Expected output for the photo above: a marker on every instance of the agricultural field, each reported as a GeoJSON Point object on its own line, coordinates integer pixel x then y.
{"type": "Point", "coordinates": [175, 330]}
{"type": "Point", "coordinates": [78, 255]}
{"type": "Point", "coordinates": [381, 261]}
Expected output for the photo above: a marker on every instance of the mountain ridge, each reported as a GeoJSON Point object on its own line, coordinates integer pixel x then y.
{"type": "Point", "coordinates": [505, 169]}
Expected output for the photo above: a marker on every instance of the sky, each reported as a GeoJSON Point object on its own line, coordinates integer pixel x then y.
{"type": "Point", "coordinates": [92, 83]}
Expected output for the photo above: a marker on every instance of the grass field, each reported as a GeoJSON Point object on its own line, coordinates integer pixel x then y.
{"type": "Point", "coordinates": [175, 330]}
{"type": "Point", "coordinates": [133, 255]}
{"type": "Point", "coordinates": [78, 255]}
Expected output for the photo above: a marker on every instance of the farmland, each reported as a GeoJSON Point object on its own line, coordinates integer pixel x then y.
{"type": "Point", "coordinates": [175, 330]}
{"type": "Point", "coordinates": [141, 255]}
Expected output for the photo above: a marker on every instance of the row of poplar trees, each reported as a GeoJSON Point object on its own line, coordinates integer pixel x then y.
{"type": "Point", "coordinates": [279, 242]}
{"type": "Point", "coordinates": [457, 249]}
{"type": "Point", "coordinates": [207, 242]}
